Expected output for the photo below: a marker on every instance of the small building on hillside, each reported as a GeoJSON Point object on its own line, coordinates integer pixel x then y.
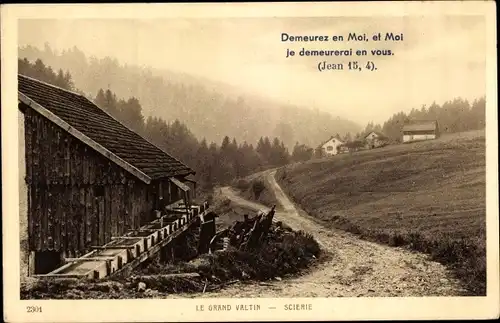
{"type": "Point", "coordinates": [330, 147]}
{"type": "Point", "coordinates": [375, 139]}
{"type": "Point", "coordinates": [85, 177]}
{"type": "Point", "coordinates": [420, 130]}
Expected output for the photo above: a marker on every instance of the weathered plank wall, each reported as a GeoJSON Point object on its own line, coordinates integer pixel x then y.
{"type": "Point", "coordinates": [76, 197]}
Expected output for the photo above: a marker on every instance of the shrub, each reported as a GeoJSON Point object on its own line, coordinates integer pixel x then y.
{"type": "Point", "coordinates": [242, 184]}
{"type": "Point", "coordinates": [257, 188]}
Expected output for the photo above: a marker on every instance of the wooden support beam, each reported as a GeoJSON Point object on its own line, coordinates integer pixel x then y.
{"type": "Point", "coordinates": [168, 276]}
{"type": "Point", "coordinates": [147, 230]}
{"type": "Point", "coordinates": [89, 259]}
{"type": "Point", "coordinates": [113, 247]}
{"type": "Point", "coordinates": [124, 237]}
{"type": "Point", "coordinates": [70, 276]}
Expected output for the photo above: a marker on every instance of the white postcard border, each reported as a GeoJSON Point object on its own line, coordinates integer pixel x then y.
{"type": "Point", "coordinates": [185, 309]}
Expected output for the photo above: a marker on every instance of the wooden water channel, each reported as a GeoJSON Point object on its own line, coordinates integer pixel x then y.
{"type": "Point", "coordinates": [122, 254]}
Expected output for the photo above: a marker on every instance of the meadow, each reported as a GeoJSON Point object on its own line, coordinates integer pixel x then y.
{"type": "Point", "coordinates": [428, 196]}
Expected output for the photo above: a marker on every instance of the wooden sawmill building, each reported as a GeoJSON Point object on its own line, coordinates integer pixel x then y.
{"type": "Point", "coordinates": [85, 177]}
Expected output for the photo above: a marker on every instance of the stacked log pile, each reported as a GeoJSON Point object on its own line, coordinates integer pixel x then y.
{"type": "Point", "coordinates": [245, 235]}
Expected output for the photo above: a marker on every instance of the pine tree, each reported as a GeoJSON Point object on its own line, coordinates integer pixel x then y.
{"type": "Point", "coordinates": [100, 99]}
{"type": "Point", "coordinates": [42, 72]}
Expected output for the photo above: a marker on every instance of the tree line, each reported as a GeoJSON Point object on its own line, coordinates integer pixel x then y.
{"type": "Point", "coordinates": [39, 71]}
{"type": "Point", "coordinates": [210, 109]}
{"type": "Point", "coordinates": [214, 163]}
{"type": "Point", "coordinates": [220, 163]}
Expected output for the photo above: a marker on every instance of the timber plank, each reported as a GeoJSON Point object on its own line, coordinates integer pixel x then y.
{"type": "Point", "coordinates": [82, 213]}
{"type": "Point", "coordinates": [29, 218]}
{"type": "Point", "coordinates": [35, 220]}
{"type": "Point", "coordinates": [64, 209]}
{"type": "Point", "coordinates": [121, 209]}
{"type": "Point", "coordinates": [73, 155]}
{"type": "Point", "coordinates": [88, 216]}
{"type": "Point", "coordinates": [67, 161]}
{"type": "Point", "coordinates": [50, 218]}
{"type": "Point", "coordinates": [57, 157]}
{"type": "Point", "coordinates": [101, 215]}
{"type": "Point", "coordinates": [28, 138]}
{"type": "Point", "coordinates": [98, 172]}
{"type": "Point", "coordinates": [107, 213]}
{"type": "Point", "coordinates": [133, 207]}
{"type": "Point", "coordinates": [36, 151]}
{"type": "Point", "coordinates": [69, 218]}
{"type": "Point", "coordinates": [85, 165]}
{"type": "Point", "coordinates": [57, 217]}
{"type": "Point", "coordinates": [50, 154]}
{"type": "Point", "coordinates": [78, 228]}
{"type": "Point", "coordinates": [95, 219]}
{"type": "Point", "coordinates": [127, 207]}
{"type": "Point", "coordinates": [114, 210]}
{"type": "Point", "coordinates": [44, 229]}
{"type": "Point", "coordinates": [79, 167]}
{"type": "Point", "coordinates": [92, 168]}
{"type": "Point", "coordinates": [43, 148]}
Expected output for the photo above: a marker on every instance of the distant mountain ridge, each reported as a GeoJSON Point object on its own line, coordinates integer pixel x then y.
{"type": "Point", "coordinates": [210, 109]}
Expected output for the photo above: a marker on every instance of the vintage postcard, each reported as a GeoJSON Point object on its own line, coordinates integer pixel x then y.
{"type": "Point", "coordinates": [250, 161]}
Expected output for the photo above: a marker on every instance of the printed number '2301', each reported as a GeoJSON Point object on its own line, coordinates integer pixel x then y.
{"type": "Point", "coordinates": [34, 309]}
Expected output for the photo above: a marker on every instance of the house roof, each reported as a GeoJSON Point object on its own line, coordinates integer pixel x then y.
{"type": "Point", "coordinates": [379, 134]}
{"type": "Point", "coordinates": [420, 126]}
{"type": "Point", "coordinates": [96, 128]}
{"type": "Point", "coordinates": [332, 137]}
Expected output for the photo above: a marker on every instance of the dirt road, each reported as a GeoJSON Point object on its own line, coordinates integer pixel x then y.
{"type": "Point", "coordinates": [356, 268]}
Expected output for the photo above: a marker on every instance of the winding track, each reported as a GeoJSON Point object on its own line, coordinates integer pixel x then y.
{"type": "Point", "coordinates": [356, 268]}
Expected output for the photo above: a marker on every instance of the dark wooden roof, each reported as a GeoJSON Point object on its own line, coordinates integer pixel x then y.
{"type": "Point", "coordinates": [103, 130]}
{"type": "Point", "coordinates": [420, 126]}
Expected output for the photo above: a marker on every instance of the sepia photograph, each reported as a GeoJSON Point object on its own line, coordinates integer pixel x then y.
{"type": "Point", "coordinates": [288, 157]}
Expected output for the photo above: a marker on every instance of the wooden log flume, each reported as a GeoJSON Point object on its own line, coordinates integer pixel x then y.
{"type": "Point", "coordinates": [122, 254]}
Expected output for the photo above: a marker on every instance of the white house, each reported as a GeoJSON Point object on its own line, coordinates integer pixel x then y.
{"type": "Point", "coordinates": [420, 130]}
{"type": "Point", "coordinates": [330, 147]}
{"type": "Point", "coordinates": [375, 139]}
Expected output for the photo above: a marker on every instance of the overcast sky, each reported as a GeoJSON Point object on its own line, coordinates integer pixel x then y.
{"type": "Point", "coordinates": [439, 59]}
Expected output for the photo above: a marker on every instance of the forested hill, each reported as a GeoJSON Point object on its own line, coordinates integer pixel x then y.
{"type": "Point", "coordinates": [211, 110]}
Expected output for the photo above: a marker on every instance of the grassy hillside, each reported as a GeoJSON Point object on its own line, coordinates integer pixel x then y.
{"type": "Point", "coordinates": [429, 196]}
